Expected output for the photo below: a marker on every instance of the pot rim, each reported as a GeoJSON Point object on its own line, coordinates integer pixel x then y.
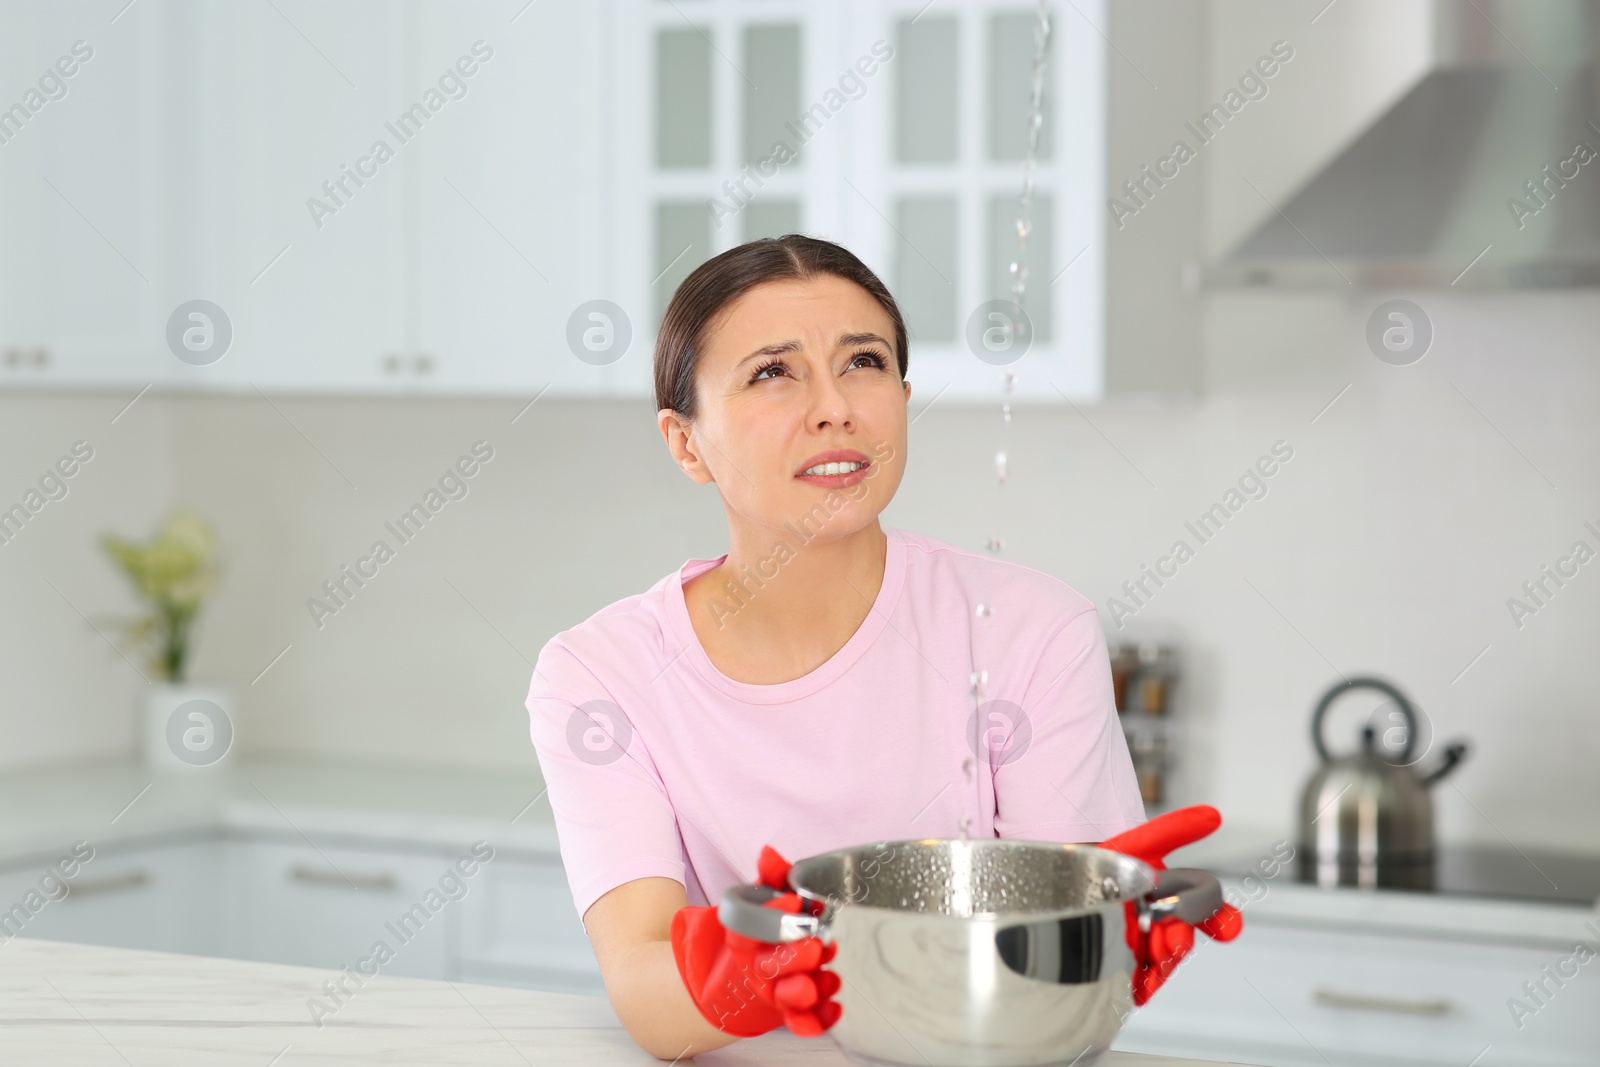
{"type": "Point", "coordinates": [832, 906]}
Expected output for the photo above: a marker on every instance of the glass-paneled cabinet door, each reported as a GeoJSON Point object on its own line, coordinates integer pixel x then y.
{"type": "Point", "coordinates": [82, 254]}
{"type": "Point", "coordinates": [730, 126]}
{"type": "Point", "coordinates": [936, 176]}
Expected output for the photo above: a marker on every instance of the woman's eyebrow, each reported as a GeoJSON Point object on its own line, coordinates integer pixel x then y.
{"type": "Point", "coordinates": [780, 348]}
{"type": "Point", "coordinates": [777, 348]}
{"type": "Point", "coordinates": [847, 340]}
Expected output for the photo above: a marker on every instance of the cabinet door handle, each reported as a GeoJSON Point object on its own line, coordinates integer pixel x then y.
{"type": "Point", "coordinates": [113, 884]}
{"type": "Point", "coordinates": [381, 882]}
{"type": "Point", "coordinates": [1332, 998]}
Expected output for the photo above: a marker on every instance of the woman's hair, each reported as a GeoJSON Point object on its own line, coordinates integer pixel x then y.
{"type": "Point", "coordinates": [722, 279]}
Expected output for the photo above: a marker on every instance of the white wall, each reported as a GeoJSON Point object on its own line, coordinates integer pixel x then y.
{"type": "Point", "coordinates": [1389, 543]}
{"type": "Point", "coordinates": [63, 688]}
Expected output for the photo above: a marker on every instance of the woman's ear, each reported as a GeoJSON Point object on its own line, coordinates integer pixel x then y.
{"type": "Point", "coordinates": [679, 435]}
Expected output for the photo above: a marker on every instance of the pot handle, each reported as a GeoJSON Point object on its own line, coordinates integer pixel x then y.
{"type": "Point", "coordinates": [1181, 893]}
{"type": "Point", "coordinates": [742, 910]}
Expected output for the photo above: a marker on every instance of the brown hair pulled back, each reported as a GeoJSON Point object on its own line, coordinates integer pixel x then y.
{"type": "Point", "coordinates": [723, 278]}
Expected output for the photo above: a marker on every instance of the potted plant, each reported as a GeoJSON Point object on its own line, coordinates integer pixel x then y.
{"type": "Point", "coordinates": [185, 724]}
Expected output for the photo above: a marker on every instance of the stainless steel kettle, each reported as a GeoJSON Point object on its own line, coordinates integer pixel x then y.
{"type": "Point", "coordinates": [1367, 820]}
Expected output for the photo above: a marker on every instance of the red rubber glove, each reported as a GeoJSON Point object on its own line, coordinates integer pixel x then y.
{"type": "Point", "coordinates": [747, 987]}
{"type": "Point", "coordinates": [1158, 952]}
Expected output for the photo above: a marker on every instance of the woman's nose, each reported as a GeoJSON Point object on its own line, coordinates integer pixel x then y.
{"type": "Point", "coordinates": [828, 401]}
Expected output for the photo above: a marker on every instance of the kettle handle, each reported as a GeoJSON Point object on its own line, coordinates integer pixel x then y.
{"type": "Point", "coordinates": [1364, 683]}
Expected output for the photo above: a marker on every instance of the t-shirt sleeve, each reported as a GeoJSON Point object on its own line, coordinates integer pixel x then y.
{"type": "Point", "coordinates": [1065, 773]}
{"type": "Point", "coordinates": [613, 819]}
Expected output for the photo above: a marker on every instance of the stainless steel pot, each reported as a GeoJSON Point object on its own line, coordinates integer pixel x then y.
{"type": "Point", "coordinates": [987, 953]}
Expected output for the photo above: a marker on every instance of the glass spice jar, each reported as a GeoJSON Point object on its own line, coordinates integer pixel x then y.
{"type": "Point", "coordinates": [1149, 752]}
{"type": "Point", "coordinates": [1155, 678]}
{"type": "Point", "coordinates": [1124, 667]}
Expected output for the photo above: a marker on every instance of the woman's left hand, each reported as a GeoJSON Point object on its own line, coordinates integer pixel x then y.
{"type": "Point", "coordinates": [1169, 940]}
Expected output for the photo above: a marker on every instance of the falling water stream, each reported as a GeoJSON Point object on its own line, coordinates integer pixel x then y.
{"type": "Point", "coordinates": [1018, 270]}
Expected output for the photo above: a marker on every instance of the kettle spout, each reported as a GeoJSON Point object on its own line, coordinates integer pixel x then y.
{"type": "Point", "coordinates": [1453, 754]}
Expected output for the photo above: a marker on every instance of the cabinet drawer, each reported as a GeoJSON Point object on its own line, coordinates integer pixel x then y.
{"type": "Point", "coordinates": [519, 927]}
{"type": "Point", "coordinates": [159, 898]}
{"type": "Point", "coordinates": [330, 907]}
{"type": "Point", "coordinates": [1291, 995]}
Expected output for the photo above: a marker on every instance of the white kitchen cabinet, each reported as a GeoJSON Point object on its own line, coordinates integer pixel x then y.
{"type": "Point", "coordinates": [1293, 996]}
{"type": "Point", "coordinates": [162, 897]}
{"type": "Point", "coordinates": [328, 906]}
{"type": "Point", "coordinates": [369, 218]}
{"type": "Point", "coordinates": [181, 165]}
{"type": "Point", "coordinates": [272, 116]}
{"type": "Point", "coordinates": [520, 928]}
{"type": "Point", "coordinates": [509, 198]}
{"type": "Point", "coordinates": [81, 246]}
{"type": "Point", "coordinates": [245, 896]}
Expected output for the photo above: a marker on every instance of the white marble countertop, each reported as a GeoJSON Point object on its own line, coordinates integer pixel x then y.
{"type": "Point", "coordinates": [86, 1006]}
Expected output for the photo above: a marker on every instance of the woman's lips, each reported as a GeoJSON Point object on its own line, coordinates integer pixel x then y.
{"type": "Point", "coordinates": [837, 481]}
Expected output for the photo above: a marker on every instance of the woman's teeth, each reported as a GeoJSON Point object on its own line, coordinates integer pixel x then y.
{"type": "Point", "coordinates": [833, 468]}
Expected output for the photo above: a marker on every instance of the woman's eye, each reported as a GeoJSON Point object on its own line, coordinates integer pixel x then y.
{"type": "Point", "coordinates": [877, 360]}
{"type": "Point", "coordinates": [760, 371]}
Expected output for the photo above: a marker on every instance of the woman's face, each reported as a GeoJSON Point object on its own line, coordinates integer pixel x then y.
{"type": "Point", "coordinates": [792, 370]}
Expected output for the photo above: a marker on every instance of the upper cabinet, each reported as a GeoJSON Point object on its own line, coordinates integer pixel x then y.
{"type": "Point", "coordinates": [81, 244]}
{"type": "Point", "coordinates": [499, 198]}
{"type": "Point", "coordinates": [288, 189]}
{"type": "Point", "coordinates": [510, 196]}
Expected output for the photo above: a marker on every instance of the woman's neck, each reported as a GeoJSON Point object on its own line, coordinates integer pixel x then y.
{"type": "Point", "coordinates": [777, 608]}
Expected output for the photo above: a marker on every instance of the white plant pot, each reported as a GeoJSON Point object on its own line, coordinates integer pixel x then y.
{"type": "Point", "coordinates": [188, 728]}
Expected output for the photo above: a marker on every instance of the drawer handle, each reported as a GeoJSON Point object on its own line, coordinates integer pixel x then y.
{"type": "Point", "coordinates": [376, 883]}
{"type": "Point", "coordinates": [1398, 1005]}
{"type": "Point", "coordinates": [116, 883]}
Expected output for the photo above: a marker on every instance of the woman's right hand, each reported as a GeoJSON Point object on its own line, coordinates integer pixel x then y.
{"type": "Point", "coordinates": [748, 987]}
{"type": "Point", "coordinates": [630, 929]}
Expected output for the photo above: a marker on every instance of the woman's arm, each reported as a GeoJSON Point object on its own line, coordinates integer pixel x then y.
{"type": "Point", "coordinates": [630, 929]}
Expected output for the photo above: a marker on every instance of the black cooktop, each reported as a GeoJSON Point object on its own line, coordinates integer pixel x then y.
{"type": "Point", "coordinates": [1494, 871]}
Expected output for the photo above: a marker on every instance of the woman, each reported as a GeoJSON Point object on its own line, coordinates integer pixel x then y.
{"type": "Point", "coordinates": [813, 688]}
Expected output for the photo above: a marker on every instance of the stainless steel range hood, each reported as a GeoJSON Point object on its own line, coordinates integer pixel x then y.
{"type": "Point", "coordinates": [1482, 153]}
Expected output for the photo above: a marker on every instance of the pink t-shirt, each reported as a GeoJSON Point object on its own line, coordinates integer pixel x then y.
{"type": "Point", "coordinates": [658, 764]}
